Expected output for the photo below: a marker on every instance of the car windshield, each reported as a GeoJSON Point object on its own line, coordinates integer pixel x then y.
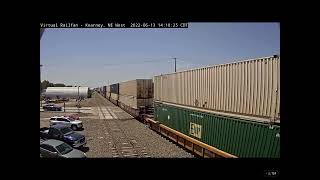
{"type": "Point", "coordinates": [64, 148]}
{"type": "Point", "coordinates": [66, 130]}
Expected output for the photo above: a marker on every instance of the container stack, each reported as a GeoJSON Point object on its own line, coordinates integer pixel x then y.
{"type": "Point", "coordinates": [108, 93]}
{"type": "Point", "coordinates": [234, 107]}
{"type": "Point", "coordinates": [136, 94]}
{"type": "Point", "coordinates": [114, 93]}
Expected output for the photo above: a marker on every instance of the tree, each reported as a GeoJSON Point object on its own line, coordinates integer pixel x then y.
{"type": "Point", "coordinates": [46, 84]}
{"type": "Point", "coordinates": [59, 85]}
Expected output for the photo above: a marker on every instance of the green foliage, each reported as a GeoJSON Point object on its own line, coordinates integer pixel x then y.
{"type": "Point", "coordinates": [59, 85]}
{"type": "Point", "coordinates": [46, 84]}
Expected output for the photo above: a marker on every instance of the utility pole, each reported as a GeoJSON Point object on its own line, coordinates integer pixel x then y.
{"type": "Point", "coordinates": [40, 86]}
{"type": "Point", "coordinates": [78, 101]}
{"type": "Point", "coordinates": [175, 64]}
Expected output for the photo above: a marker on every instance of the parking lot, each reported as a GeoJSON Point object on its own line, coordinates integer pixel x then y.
{"type": "Point", "coordinates": [111, 132]}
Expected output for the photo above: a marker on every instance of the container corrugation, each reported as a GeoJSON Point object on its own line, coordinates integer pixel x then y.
{"type": "Point", "coordinates": [249, 87]}
{"type": "Point", "coordinates": [236, 136]}
{"type": "Point", "coordinates": [144, 88]}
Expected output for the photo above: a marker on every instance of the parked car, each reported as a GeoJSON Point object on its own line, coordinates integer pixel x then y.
{"type": "Point", "coordinates": [52, 107]}
{"type": "Point", "coordinates": [57, 149]}
{"type": "Point", "coordinates": [67, 121]}
{"type": "Point", "coordinates": [63, 133]}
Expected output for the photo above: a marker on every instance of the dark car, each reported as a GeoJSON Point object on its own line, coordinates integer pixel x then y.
{"type": "Point", "coordinates": [57, 149]}
{"type": "Point", "coordinates": [63, 133]}
{"type": "Point", "coordinates": [52, 107]}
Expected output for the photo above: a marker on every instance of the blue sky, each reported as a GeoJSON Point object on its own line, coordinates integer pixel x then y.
{"type": "Point", "coordinates": [94, 57]}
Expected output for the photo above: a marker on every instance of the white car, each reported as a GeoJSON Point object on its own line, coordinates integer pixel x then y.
{"type": "Point", "coordinates": [67, 121]}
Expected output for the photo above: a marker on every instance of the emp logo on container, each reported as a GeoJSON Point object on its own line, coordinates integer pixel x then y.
{"type": "Point", "coordinates": [195, 130]}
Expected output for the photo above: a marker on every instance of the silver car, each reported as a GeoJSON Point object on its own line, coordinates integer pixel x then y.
{"type": "Point", "coordinates": [57, 149]}
{"type": "Point", "coordinates": [67, 121]}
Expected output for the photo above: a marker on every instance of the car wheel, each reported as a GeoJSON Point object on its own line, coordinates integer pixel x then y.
{"type": "Point", "coordinates": [74, 127]}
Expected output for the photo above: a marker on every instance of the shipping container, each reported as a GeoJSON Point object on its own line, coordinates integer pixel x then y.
{"type": "Point", "coordinates": [237, 136]}
{"type": "Point", "coordinates": [114, 98]}
{"type": "Point", "coordinates": [104, 91]}
{"type": "Point", "coordinates": [114, 88]}
{"type": "Point", "coordinates": [135, 103]}
{"type": "Point", "coordinates": [108, 92]}
{"type": "Point", "coordinates": [136, 93]}
{"type": "Point", "coordinates": [250, 88]}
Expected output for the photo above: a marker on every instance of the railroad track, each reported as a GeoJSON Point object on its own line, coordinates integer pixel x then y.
{"type": "Point", "coordinates": [160, 135]}
{"type": "Point", "coordinates": [121, 145]}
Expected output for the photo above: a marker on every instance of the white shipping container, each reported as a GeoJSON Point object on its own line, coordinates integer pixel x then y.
{"type": "Point", "coordinates": [250, 87]}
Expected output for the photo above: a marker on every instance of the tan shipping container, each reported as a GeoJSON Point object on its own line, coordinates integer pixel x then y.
{"type": "Point", "coordinates": [134, 102]}
{"type": "Point", "coordinates": [108, 92]}
{"type": "Point", "coordinates": [250, 87]}
{"type": "Point", "coordinates": [136, 93]}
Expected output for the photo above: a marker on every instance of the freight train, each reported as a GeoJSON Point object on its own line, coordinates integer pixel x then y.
{"type": "Point", "coordinates": [229, 110]}
{"type": "Point", "coordinates": [135, 96]}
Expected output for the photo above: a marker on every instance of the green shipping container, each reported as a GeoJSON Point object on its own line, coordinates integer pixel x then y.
{"type": "Point", "coordinates": [240, 137]}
